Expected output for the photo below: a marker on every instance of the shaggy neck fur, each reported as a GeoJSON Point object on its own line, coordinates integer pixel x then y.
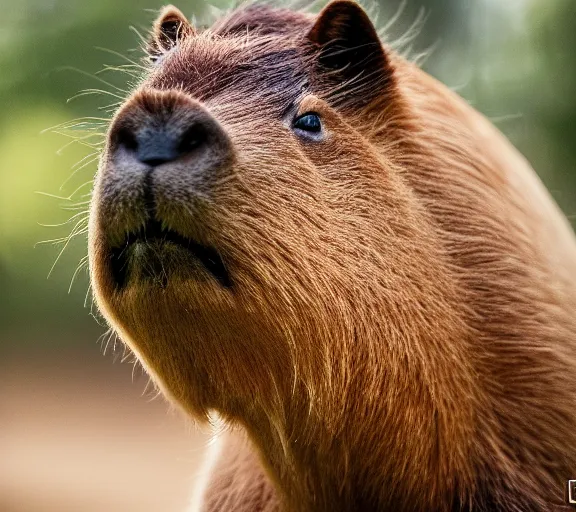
{"type": "Point", "coordinates": [449, 419]}
{"type": "Point", "coordinates": [388, 419]}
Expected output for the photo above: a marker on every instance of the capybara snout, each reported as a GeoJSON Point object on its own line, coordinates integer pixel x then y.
{"type": "Point", "coordinates": [170, 144]}
{"type": "Point", "coordinates": [158, 127]}
{"type": "Point", "coordinates": [165, 158]}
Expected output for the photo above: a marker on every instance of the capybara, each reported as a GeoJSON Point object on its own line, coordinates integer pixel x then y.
{"type": "Point", "coordinates": [307, 239]}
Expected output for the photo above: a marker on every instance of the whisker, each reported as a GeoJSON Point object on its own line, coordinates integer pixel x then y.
{"type": "Point", "coordinates": [94, 153]}
{"type": "Point", "coordinates": [76, 215]}
{"type": "Point", "coordinates": [80, 141]}
{"type": "Point", "coordinates": [93, 92]}
{"type": "Point", "coordinates": [76, 122]}
{"type": "Point", "coordinates": [80, 187]}
{"type": "Point", "coordinates": [77, 170]}
{"type": "Point", "coordinates": [76, 231]}
{"type": "Point", "coordinates": [120, 69]}
{"type": "Point", "coordinates": [91, 302]}
{"type": "Point", "coordinates": [54, 241]}
{"type": "Point", "coordinates": [54, 196]}
{"type": "Point", "coordinates": [111, 334]}
{"type": "Point", "coordinates": [118, 54]}
{"type": "Point", "coordinates": [76, 208]}
{"type": "Point", "coordinates": [92, 75]}
{"type": "Point", "coordinates": [395, 17]}
{"type": "Point", "coordinates": [411, 33]}
{"type": "Point", "coordinates": [143, 40]}
{"type": "Point", "coordinates": [111, 108]}
{"type": "Point", "coordinates": [82, 265]}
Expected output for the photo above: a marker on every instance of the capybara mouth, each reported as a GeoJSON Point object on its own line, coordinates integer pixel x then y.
{"type": "Point", "coordinates": [155, 253]}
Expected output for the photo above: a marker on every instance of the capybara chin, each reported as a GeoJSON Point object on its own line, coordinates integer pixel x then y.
{"type": "Point", "coordinates": [299, 231]}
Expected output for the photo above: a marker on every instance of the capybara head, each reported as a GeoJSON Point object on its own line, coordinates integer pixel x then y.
{"type": "Point", "coordinates": [258, 239]}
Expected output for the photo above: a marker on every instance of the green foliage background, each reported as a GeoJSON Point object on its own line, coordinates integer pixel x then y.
{"type": "Point", "coordinates": [513, 60]}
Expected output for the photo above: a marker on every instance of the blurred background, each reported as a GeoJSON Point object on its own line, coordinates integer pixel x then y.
{"type": "Point", "coordinates": [78, 429]}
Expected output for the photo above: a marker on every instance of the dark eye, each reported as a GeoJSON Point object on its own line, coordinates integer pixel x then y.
{"type": "Point", "coordinates": [309, 123]}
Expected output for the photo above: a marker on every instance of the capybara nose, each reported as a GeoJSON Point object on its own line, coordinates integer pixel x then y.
{"type": "Point", "coordinates": [161, 127]}
{"type": "Point", "coordinates": [160, 143]}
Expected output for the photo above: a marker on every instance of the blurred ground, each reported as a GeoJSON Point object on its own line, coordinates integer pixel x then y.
{"type": "Point", "coordinates": [77, 434]}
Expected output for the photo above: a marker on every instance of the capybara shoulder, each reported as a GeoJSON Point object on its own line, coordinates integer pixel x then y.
{"type": "Point", "coordinates": [299, 231]}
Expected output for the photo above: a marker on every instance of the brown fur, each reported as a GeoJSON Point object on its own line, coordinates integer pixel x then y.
{"type": "Point", "coordinates": [399, 333]}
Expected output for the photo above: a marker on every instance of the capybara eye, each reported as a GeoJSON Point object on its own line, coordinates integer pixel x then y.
{"type": "Point", "coordinates": [308, 123]}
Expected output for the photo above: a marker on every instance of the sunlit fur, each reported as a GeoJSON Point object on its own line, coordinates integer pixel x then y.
{"type": "Point", "coordinates": [400, 334]}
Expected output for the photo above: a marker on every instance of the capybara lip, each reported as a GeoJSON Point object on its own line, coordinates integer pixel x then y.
{"type": "Point", "coordinates": [154, 252]}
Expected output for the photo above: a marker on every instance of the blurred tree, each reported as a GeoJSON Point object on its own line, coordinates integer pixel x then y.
{"type": "Point", "coordinates": [443, 30]}
{"type": "Point", "coordinates": [551, 98]}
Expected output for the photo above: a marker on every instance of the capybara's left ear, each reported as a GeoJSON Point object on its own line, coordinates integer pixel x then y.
{"type": "Point", "coordinates": [348, 39]}
{"type": "Point", "coordinates": [170, 27]}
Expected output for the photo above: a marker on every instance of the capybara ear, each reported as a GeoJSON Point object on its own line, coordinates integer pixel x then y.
{"type": "Point", "coordinates": [348, 39]}
{"type": "Point", "coordinates": [170, 27]}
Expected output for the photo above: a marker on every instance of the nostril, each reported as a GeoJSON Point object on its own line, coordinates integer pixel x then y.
{"type": "Point", "coordinates": [126, 138]}
{"type": "Point", "coordinates": [157, 143]}
{"type": "Point", "coordinates": [192, 138]}
{"type": "Point", "coordinates": [155, 162]}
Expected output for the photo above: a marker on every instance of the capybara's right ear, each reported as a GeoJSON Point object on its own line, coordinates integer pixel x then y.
{"type": "Point", "coordinates": [348, 39]}
{"type": "Point", "coordinates": [170, 27]}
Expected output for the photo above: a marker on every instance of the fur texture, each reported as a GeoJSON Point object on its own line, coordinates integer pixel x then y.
{"type": "Point", "coordinates": [398, 331]}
